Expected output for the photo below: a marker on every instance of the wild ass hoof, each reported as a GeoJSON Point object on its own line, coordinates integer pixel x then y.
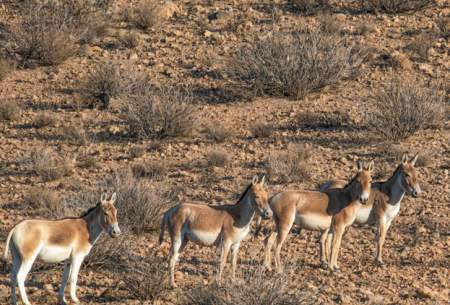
{"type": "Point", "coordinates": [380, 263]}
{"type": "Point", "coordinates": [324, 265]}
{"type": "Point", "coordinates": [62, 302]}
{"type": "Point", "coordinates": [334, 269]}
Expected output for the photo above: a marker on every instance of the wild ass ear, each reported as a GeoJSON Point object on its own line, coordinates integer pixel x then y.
{"type": "Point", "coordinates": [103, 198]}
{"type": "Point", "coordinates": [371, 165]}
{"type": "Point", "coordinates": [414, 159]}
{"type": "Point", "coordinates": [113, 198]}
{"type": "Point", "coordinates": [263, 180]}
{"type": "Point", "coordinates": [359, 165]}
{"type": "Point", "coordinates": [255, 179]}
{"type": "Point", "coordinates": [404, 158]}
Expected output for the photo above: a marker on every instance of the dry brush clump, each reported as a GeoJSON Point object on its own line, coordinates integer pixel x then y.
{"type": "Point", "coordinates": [45, 120]}
{"type": "Point", "coordinates": [46, 202]}
{"type": "Point", "coordinates": [292, 64]}
{"type": "Point", "coordinates": [219, 132]}
{"type": "Point", "coordinates": [153, 169]}
{"type": "Point", "coordinates": [9, 110]}
{"type": "Point", "coordinates": [48, 165]}
{"type": "Point", "coordinates": [49, 32]}
{"type": "Point", "coordinates": [144, 16]}
{"type": "Point", "coordinates": [310, 7]}
{"type": "Point", "coordinates": [404, 107]}
{"type": "Point", "coordinates": [325, 120]}
{"type": "Point", "coordinates": [261, 130]}
{"type": "Point", "coordinates": [290, 165]}
{"type": "Point", "coordinates": [218, 157]}
{"type": "Point", "coordinates": [75, 133]}
{"type": "Point", "coordinates": [421, 45]}
{"type": "Point", "coordinates": [6, 67]}
{"type": "Point", "coordinates": [161, 112]}
{"type": "Point", "coordinates": [395, 6]}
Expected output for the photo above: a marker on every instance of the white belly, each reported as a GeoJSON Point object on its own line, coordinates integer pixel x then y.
{"type": "Point", "coordinates": [203, 237]}
{"type": "Point", "coordinates": [313, 222]}
{"type": "Point", "coordinates": [363, 214]}
{"type": "Point", "coordinates": [54, 254]}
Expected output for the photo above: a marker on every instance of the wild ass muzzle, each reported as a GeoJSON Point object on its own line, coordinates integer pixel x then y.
{"type": "Point", "coordinates": [53, 241]}
{"type": "Point", "coordinates": [224, 226]}
{"type": "Point", "coordinates": [384, 201]}
{"type": "Point", "coordinates": [312, 210]}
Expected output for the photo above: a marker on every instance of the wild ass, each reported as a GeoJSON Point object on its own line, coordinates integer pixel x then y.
{"type": "Point", "coordinates": [225, 226]}
{"type": "Point", "coordinates": [313, 210]}
{"type": "Point", "coordinates": [384, 201]}
{"type": "Point", "coordinates": [53, 241]}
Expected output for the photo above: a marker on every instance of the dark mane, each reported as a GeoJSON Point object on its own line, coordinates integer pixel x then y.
{"type": "Point", "coordinates": [245, 192]}
{"type": "Point", "coordinates": [350, 182]}
{"type": "Point", "coordinates": [399, 167]}
{"type": "Point", "coordinates": [85, 213]}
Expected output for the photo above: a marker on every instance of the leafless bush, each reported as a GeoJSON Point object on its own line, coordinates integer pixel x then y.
{"type": "Point", "coordinates": [328, 120]}
{"type": "Point", "coordinates": [291, 165]}
{"type": "Point", "coordinates": [261, 130]}
{"type": "Point", "coordinates": [255, 288]}
{"type": "Point", "coordinates": [218, 157]}
{"type": "Point", "coordinates": [443, 25]}
{"type": "Point", "coordinates": [129, 40]}
{"type": "Point", "coordinates": [110, 253]}
{"type": "Point", "coordinates": [161, 112]}
{"type": "Point", "coordinates": [365, 28]}
{"type": "Point", "coordinates": [49, 32]}
{"type": "Point", "coordinates": [395, 6]}
{"type": "Point", "coordinates": [44, 120]}
{"type": "Point", "coordinates": [75, 134]}
{"type": "Point", "coordinates": [311, 6]}
{"type": "Point", "coordinates": [48, 165]}
{"type": "Point", "coordinates": [293, 65]}
{"type": "Point", "coordinates": [46, 202]}
{"type": "Point", "coordinates": [219, 132]}
{"type": "Point", "coordinates": [404, 107]}
{"type": "Point", "coordinates": [6, 67]}
{"type": "Point", "coordinates": [424, 160]}
{"type": "Point", "coordinates": [88, 162]}
{"type": "Point", "coordinates": [9, 110]}
{"type": "Point", "coordinates": [136, 151]}
{"type": "Point", "coordinates": [329, 24]}
{"type": "Point", "coordinates": [420, 46]}
{"type": "Point", "coordinates": [153, 169]}
{"type": "Point", "coordinates": [140, 201]}
{"type": "Point", "coordinates": [144, 16]}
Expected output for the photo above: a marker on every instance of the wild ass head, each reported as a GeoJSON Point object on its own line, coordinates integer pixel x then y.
{"type": "Point", "coordinates": [108, 216]}
{"type": "Point", "coordinates": [259, 197]}
{"type": "Point", "coordinates": [364, 178]}
{"type": "Point", "coordinates": [409, 179]}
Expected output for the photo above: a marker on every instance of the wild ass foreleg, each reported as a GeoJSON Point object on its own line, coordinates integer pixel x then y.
{"type": "Point", "coordinates": [234, 257]}
{"type": "Point", "coordinates": [281, 237]}
{"type": "Point", "coordinates": [269, 242]}
{"type": "Point", "coordinates": [75, 268]}
{"type": "Point", "coordinates": [225, 249]}
{"type": "Point", "coordinates": [338, 231]}
{"type": "Point", "coordinates": [324, 248]}
{"type": "Point", "coordinates": [382, 229]}
{"type": "Point", "coordinates": [65, 278]}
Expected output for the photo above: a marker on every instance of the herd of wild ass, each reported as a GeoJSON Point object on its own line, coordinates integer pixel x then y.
{"type": "Point", "coordinates": [331, 209]}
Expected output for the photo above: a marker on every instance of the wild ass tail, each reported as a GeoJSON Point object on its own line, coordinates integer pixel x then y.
{"type": "Point", "coordinates": [7, 243]}
{"type": "Point", "coordinates": [164, 224]}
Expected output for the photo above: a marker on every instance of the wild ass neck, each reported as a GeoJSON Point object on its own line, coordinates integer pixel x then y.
{"type": "Point", "coordinates": [93, 224]}
{"type": "Point", "coordinates": [350, 193]}
{"type": "Point", "coordinates": [243, 211]}
{"type": "Point", "coordinates": [393, 188]}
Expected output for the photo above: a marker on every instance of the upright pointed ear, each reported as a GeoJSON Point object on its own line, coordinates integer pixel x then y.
{"type": "Point", "coordinates": [103, 197]}
{"type": "Point", "coordinates": [113, 198]}
{"type": "Point", "coordinates": [255, 179]}
{"type": "Point", "coordinates": [414, 159]}
{"type": "Point", "coordinates": [404, 158]}
{"type": "Point", "coordinates": [263, 180]}
{"type": "Point", "coordinates": [371, 166]}
{"type": "Point", "coordinates": [359, 166]}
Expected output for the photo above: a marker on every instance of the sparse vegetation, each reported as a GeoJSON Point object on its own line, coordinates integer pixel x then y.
{"type": "Point", "coordinates": [48, 165]}
{"type": "Point", "coordinates": [219, 132]}
{"type": "Point", "coordinates": [44, 120]}
{"type": "Point", "coordinates": [218, 157]}
{"type": "Point", "coordinates": [404, 107]}
{"type": "Point", "coordinates": [46, 202]}
{"type": "Point", "coordinates": [310, 7]}
{"type": "Point", "coordinates": [129, 40]}
{"type": "Point", "coordinates": [261, 130]}
{"type": "Point", "coordinates": [328, 120]}
{"type": "Point", "coordinates": [9, 110]}
{"type": "Point", "coordinates": [161, 112]}
{"type": "Point", "coordinates": [153, 169]}
{"type": "Point", "coordinates": [292, 65]}
{"type": "Point", "coordinates": [6, 67]}
{"type": "Point", "coordinates": [329, 24]}
{"type": "Point", "coordinates": [395, 6]}
{"type": "Point", "coordinates": [75, 134]}
{"type": "Point", "coordinates": [365, 28]}
{"type": "Point", "coordinates": [420, 46]}
{"type": "Point", "coordinates": [443, 25]}
{"type": "Point", "coordinates": [144, 16]}
{"type": "Point", "coordinates": [291, 165]}
{"type": "Point", "coordinates": [136, 151]}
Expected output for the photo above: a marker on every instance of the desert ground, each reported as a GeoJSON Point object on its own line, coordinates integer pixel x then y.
{"type": "Point", "coordinates": [61, 147]}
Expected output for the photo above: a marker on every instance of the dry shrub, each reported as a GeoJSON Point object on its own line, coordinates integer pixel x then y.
{"type": "Point", "coordinates": [404, 107]}
{"type": "Point", "coordinates": [140, 201]}
{"type": "Point", "coordinates": [145, 15]}
{"type": "Point", "coordinates": [75, 134]}
{"type": "Point", "coordinates": [329, 24]}
{"type": "Point", "coordinates": [261, 130]}
{"type": "Point", "coordinates": [291, 165]}
{"type": "Point", "coordinates": [9, 110]}
{"type": "Point", "coordinates": [326, 120]}
{"type": "Point", "coordinates": [309, 7]}
{"type": "Point", "coordinates": [49, 32]}
{"type": "Point", "coordinates": [136, 151]}
{"type": "Point", "coordinates": [110, 253]}
{"type": "Point", "coordinates": [420, 46]}
{"type": "Point", "coordinates": [6, 67]}
{"type": "Point", "coordinates": [219, 132]}
{"type": "Point", "coordinates": [256, 288]}
{"type": "Point", "coordinates": [153, 169]}
{"type": "Point", "coordinates": [218, 157]}
{"type": "Point", "coordinates": [88, 162]}
{"type": "Point", "coordinates": [161, 112]}
{"type": "Point", "coordinates": [48, 165]}
{"type": "Point", "coordinates": [44, 120]}
{"type": "Point", "coordinates": [365, 28]}
{"type": "Point", "coordinates": [292, 64]}
{"type": "Point", "coordinates": [395, 6]}
{"type": "Point", "coordinates": [46, 202]}
{"type": "Point", "coordinates": [443, 25]}
{"type": "Point", "coordinates": [424, 160]}
{"type": "Point", "coordinates": [129, 40]}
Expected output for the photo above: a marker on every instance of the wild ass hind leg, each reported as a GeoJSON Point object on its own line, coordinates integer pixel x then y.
{"type": "Point", "coordinates": [177, 243]}
{"type": "Point", "coordinates": [324, 255]}
{"type": "Point", "coordinates": [338, 231]}
{"type": "Point", "coordinates": [383, 226]}
{"type": "Point", "coordinates": [62, 288]}
{"type": "Point", "coordinates": [234, 257]}
{"type": "Point", "coordinates": [225, 249]}
{"type": "Point", "coordinates": [16, 262]}
{"type": "Point", "coordinates": [269, 242]}
{"type": "Point", "coordinates": [22, 273]}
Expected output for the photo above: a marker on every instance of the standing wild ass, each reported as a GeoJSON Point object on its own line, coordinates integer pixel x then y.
{"type": "Point", "coordinates": [53, 241]}
{"type": "Point", "coordinates": [225, 226]}
{"type": "Point", "coordinates": [384, 201]}
{"type": "Point", "coordinates": [313, 210]}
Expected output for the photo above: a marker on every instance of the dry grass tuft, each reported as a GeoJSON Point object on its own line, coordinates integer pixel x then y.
{"type": "Point", "coordinates": [292, 64]}
{"type": "Point", "coordinates": [161, 112]}
{"type": "Point", "coordinates": [310, 7]}
{"type": "Point", "coordinates": [48, 165]}
{"type": "Point", "coordinates": [129, 40]}
{"type": "Point", "coordinates": [291, 165]}
{"type": "Point", "coordinates": [404, 107]}
{"type": "Point", "coordinates": [44, 120]}
{"type": "Point", "coordinates": [395, 6]}
{"type": "Point", "coordinates": [136, 151]}
{"type": "Point", "coordinates": [6, 67]}
{"type": "Point", "coordinates": [153, 169]}
{"type": "Point", "coordinates": [75, 134]}
{"type": "Point", "coordinates": [443, 25]}
{"type": "Point", "coordinates": [46, 202]}
{"type": "Point", "coordinates": [325, 120]}
{"type": "Point", "coordinates": [9, 110]}
{"type": "Point", "coordinates": [219, 132]}
{"type": "Point", "coordinates": [420, 46]}
{"type": "Point", "coordinates": [218, 158]}
{"type": "Point", "coordinates": [330, 24]}
{"type": "Point", "coordinates": [261, 130]}
{"type": "Point", "coordinates": [144, 16]}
